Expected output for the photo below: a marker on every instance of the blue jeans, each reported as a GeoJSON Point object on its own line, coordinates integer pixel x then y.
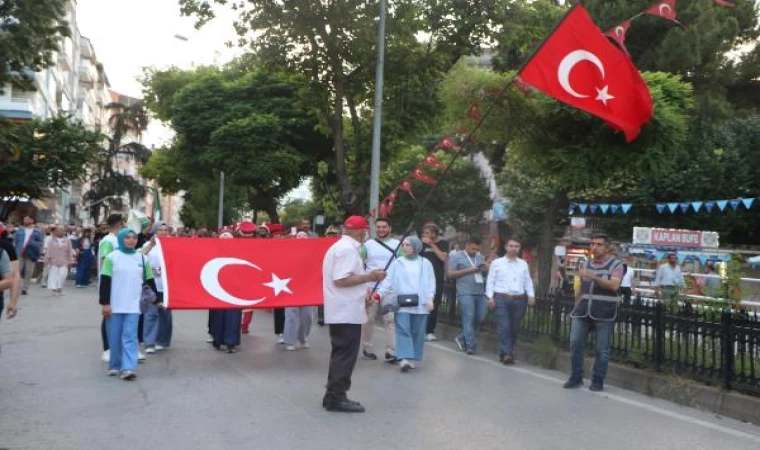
{"type": "Point", "coordinates": [151, 326]}
{"type": "Point", "coordinates": [509, 314]}
{"type": "Point", "coordinates": [578, 334]}
{"type": "Point", "coordinates": [122, 339]}
{"type": "Point", "coordinates": [410, 335]}
{"type": "Point", "coordinates": [474, 309]}
{"type": "Point", "coordinates": [83, 268]}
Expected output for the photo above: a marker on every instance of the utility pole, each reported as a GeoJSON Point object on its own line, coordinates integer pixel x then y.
{"type": "Point", "coordinates": [220, 222]}
{"type": "Point", "coordinates": [374, 186]}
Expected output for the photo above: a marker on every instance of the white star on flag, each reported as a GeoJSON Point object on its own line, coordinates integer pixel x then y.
{"type": "Point", "coordinates": [602, 95]}
{"type": "Point", "coordinates": [279, 285]}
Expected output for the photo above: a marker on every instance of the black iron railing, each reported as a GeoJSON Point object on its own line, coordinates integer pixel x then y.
{"type": "Point", "coordinates": [715, 343]}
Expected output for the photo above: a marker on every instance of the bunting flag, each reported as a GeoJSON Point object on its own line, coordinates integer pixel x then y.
{"type": "Point", "coordinates": [614, 208]}
{"type": "Point", "coordinates": [571, 209]}
{"type": "Point", "coordinates": [422, 176]}
{"type": "Point", "coordinates": [709, 206]}
{"type": "Point", "coordinates": [722, 204]}
{"type": "Point", "coordinates": [406, 185]}
{"type": "Point", "coordinates": [725, 3]}
{"type": "Point", "coordinates": [383, 208]}
{"type": "Point", "coordinates": [748, 202]}
{"type": "Point", "coordinates": [660, 207]}
{"type": "Point", "coordinates": [696, 206]}
{"type": "Point", "coordinates": [684, 207]}
{"type": "Point", "coordinates": [681, 258]}
{"type": "Point", "coordinates": [626, 207]}
{"type": "Point", "coordinates": [604, 207]}
{"type": "Point", "coordinates": [618, 34]}
{"type": "Point", "coordinates": [432, 161]}
{"type": "Point", "coordinates": [672, 207]}
{"type": "Point", "coordinates": [392, 196]}
{"type": "Point", "coordinates": [448, 143]}
{"type": "Point", "coordinates": [665, 9]}
{"type": "Point", "coordinates": [593, 208]}
{"type": "Point", "coordinates": [735, 204]}
{"type": "Point", "coordinates": [389, 206]}
{"type": "Point", "coordinates": [473, 112]}
{"type": "Point", "coordinates": [583, 207]}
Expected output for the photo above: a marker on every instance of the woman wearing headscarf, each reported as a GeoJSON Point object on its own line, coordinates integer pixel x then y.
{"type": "Point", "coordinates": [58, 258]}
{"type": "Point", "coordinates": [412, 278]}
{"type": "Point", "coordinates": [122, 276]}
{"type": "Point", "coordinates": [85, 257]}
{"type": "Point", "coordinates": [298, 320]}
{"type": "Point", "coordinates": [225, 323]}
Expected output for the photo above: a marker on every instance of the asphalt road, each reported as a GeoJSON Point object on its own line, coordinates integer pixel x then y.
{"type": "Point", "coordinates": [54, 395]}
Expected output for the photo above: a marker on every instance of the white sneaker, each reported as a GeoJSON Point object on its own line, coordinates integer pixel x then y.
{"type": "Point", "coordinates": [150, 350]}
{"type": "Point", "coordinates": [112, 372]}
{"type": "Point", "coordinates": [106, 356]}
{"type": "Point", "coordinates": [430, 337]}
{"type": "Point", "coordinates": [290, 348]}
{"type": "Point", "coordinates": [141, 356]}
{"type": "Point", "coordinates": [305, 344]}
{"type": "Point", "coordinates": [405, 365]}
{"type": "Point", "coordinates": [159, 347]}
{"type": "Point", "coordinates": [280, 338]}
{"type": "Point", "coordinates": [209, 339]}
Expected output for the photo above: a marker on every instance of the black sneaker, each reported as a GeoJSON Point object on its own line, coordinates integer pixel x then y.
{"type": "Point", "coordinates": [23, 291]}
{"type": "Point", "coordinates": [342, 405]}
{"type": "Point", "coordinates": [596, 385]}
{"type": "Point", "coordinates": [573, 383]}
{"type": "Point", "coordinates": [390, 358]}
{"type": "Point", "coordinates": [470, 351]}
{"type": "Point", "coordinates": [460, 343]}
{"type": "Point", "coordinates": [369, 355]}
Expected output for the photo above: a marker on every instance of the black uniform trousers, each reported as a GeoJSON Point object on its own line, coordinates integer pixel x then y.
{"type": "Point", "coordinates": [346, 340]}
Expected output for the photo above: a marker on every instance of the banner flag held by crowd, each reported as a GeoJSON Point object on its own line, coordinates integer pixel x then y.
{"type": "Point", "coordinates": [242, 273]}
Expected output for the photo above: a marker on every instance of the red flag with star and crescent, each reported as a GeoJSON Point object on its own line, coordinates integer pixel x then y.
{"type": "Point", "coordinates": [432, 161]}
{"type": "Point", "coordinates": [665, 9]}
{"type": "Point", "coordinates": [242, 273]}
{"type": "Point", "coordinates": [579, 66]}
{"type": "Point", "coordinates": [418, 174]}
{"type": "Point", "coordinates": [618, 34]}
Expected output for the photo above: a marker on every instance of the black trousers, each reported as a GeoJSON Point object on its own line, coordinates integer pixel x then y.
{"type": "Point", "coordinates": [627, 292]}
{"type": "Point", "coordinates": [346, 340]}
{"type": "Point", "coordinates": [433, 316]}
{"type": "Point", "coordinates": [279, 320]}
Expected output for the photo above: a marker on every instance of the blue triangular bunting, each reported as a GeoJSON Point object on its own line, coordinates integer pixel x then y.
{"type": "Point", "coordinates": [684, 207]}
{"type": "Point", "coordinates": [582, 207]}
{"type": "Point", "coordinates": [571, 209]}
{"type": "Point", "coordinates": [672, 207]}
{"type": "Point", "coordinates": [614, 208]}
{"type": "Point", "coordinates": [626, 207]}
{"type": "Point", "coordinates": [681, 258]}
{"type": "Point", "coordinates": [660, 207]}
{"type": "Point", "coordinates": [722, 204]}
{"type": "Point", "coordinates": [696, 206]}
{"type": "Point", "coordinates": [709, 206]}
{"type": "Point", "coordinates": [604, 207]}
{"type": "Point", "coordinates": [659, 255]}
{"type": "Point", "coordinates": [592, 208]}
{"type": "Point", "coordinates": [702, 260]}
{"type": "Point", "coordinates": [747, 202]}
{"type": "Point", "coordinates": [735, 204]}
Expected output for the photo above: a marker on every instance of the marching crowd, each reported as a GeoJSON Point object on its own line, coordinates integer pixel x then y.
{"type": "Point", "coordinates": [401, 280]}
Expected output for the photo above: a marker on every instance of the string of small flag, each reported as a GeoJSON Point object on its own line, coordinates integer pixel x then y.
{"type": "Point", "coordinates": [662, 207]}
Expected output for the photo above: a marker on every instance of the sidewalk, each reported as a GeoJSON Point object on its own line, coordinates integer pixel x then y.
{"type": "Point", "coordinates": [54, 395]}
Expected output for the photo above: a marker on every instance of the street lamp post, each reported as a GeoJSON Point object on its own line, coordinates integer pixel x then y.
{"type": "Point", "coordinates": [374, 185]}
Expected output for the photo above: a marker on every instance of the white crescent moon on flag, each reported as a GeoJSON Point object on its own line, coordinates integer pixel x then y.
{"type": "Point", "coordinates": [567, 64]}
{"type": "Point", "coordinates": [620, 31]}
{"type": "Point", "coordinates": [210, 280]}
{"type": "Point", "coordinates": [665, 6]}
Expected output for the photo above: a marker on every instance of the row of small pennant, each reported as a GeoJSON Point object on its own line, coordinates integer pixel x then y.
{"type": "Point", "coordinates": [672, 207]}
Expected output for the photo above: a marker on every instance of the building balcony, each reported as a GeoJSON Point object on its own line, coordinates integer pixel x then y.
{"type": "Point", "coordinates": [87, 73]}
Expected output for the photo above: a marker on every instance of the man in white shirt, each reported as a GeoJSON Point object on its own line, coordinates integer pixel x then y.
{"type": "Point", "coordinates": [344, 284]}
{"type": "Point", "coordinates": [669, 279]}
{"type": "Point", "coordinates": [377, 252]}
{"type": "Point", "coordinates": [510, 291]}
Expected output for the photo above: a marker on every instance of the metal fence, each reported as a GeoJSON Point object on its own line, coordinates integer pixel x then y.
{"type": "Point", "coordinates": [714, 343]}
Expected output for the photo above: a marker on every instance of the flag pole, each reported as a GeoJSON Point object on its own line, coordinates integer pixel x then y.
{"type": "Point", "coordinates": [457, 154]}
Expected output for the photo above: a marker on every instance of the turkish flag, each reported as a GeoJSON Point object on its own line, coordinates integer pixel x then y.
{"type": "Point", "coordinates": [447, 143]}
{"type": "Point", "coordinates": [422, 176]}
{"type": "Point", "coordinates": [725, 3]}
{"type": "Point", "coordinates": [242, 273]}
{"type": "Point", "coordinates": [406, 185]}
{"type": "Point", "coordinates": [618, 34]}
{"type": "Point", "coordinates": [579, 66]}
{"type": "Point", "coordinates": [665, 9]}
{"type": "Point", "coordinates": [432, 161]}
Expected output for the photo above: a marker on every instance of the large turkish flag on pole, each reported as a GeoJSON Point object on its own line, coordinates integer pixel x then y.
{"type": "Point", "coordinates": [579, 66]}
{"type": "Point", "coordinates": [242, 273]}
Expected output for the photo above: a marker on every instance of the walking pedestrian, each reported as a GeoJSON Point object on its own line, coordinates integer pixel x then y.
{"type": "Point", "coordinates": [246, 229]}
{"type": "Point", "coordinates": [412, 278]}
{"type": "Point", "coordinates": [85, 256]}
{"type": "Point", "coordinates": [510, 291]}
{"type": "Point", "coordinates": [6, 244]}
{"type": "Point", "coordinates": [108, 244]}
{"type": "Point", "coordinates": [277, 231]}
{"type": "Point", "coordinates": [298, 319]}
{"type": "Point", "coordinates": [7, 279]}
{"type": "Point", "coordinates": [157, 332]}
{"type": "Point", "coordinates": [376, 253]}
{"type": "Point", "coordinates": [122, 277]}
{"type": "Point", "coordinates": [344, 286]}
{"type": "Point", "coordinates": [596, 306]}
{"type": "Point", "coordinates": [225, 323]}
{"type": "Point", "coordinates": [668, 280]}
{"type": "Point", "coordinates": [29, 244]}
{"type": "Point", "coordinates": [627, 284]}
{"type": "Point", "coordinates": [469, 269]}
{"type": "Point", "coordinates": [436, 250]}
{"type": "Point", "coordinates": [58, 258]}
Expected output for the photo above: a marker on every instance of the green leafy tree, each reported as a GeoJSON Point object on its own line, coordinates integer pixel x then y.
{"type": "Point", "coordinates": [41, 155]}
{"type": "Point", "coordinates": [30, 34]}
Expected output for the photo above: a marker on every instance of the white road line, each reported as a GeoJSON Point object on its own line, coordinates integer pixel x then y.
{"type": "Point", "coordinates": [617, 398]}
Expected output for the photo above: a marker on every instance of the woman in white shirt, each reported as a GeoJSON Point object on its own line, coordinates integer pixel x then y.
{"type": "Point", "coordinates": [410, 277]}
{"type": "Point", "coordinates": [121, 279]}
{"type": "Point", "coordinates": [157, 329]}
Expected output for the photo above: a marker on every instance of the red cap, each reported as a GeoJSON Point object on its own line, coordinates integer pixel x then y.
{"type": "Point", "coordinates": [276, 229]}
{"type": "Point", "coordinates": [246, 227]}
{"type": "Point", "coordinates": [356, 223]}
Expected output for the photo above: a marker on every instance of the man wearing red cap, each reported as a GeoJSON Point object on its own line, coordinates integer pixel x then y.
{"type": "Point", "coordinates": [246, 229]}
{"type": "Point", "coordinates": [343, 281]}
